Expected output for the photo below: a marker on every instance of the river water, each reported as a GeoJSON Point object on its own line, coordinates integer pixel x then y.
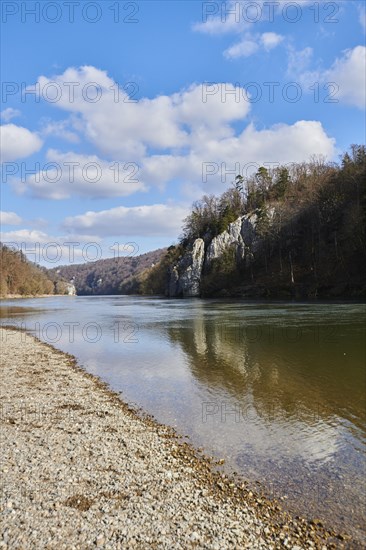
{"type": "Point", "coordinates": [276, 389]}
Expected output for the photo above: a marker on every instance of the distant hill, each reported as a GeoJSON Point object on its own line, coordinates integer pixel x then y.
{"type": "Point", "coordinates": [21, 277]}
{"type": "Point", "coordinates": [111, 276]}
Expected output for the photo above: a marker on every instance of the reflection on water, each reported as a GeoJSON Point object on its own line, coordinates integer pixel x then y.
{"type": "Point", "coordinates": [288, 404]}
{"type": "Point", "coordinates": [277, 389]}
{"type": "Point", "coordinates": [18, 311]}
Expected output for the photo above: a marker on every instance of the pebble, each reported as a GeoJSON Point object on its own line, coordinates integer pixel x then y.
{"type": "Point", "coordinates": [93, 473]}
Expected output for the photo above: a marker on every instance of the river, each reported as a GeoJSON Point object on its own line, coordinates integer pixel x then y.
{"type": "Point", "coordinates": [276, 389]}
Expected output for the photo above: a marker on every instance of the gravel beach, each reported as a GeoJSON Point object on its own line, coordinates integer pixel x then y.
{"type": "Point", "coordinates": [81, 469]}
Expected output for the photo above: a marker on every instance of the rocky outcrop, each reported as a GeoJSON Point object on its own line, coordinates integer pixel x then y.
{"type": "Point", "coordinates": [71, 290]}
{"type": "Point", "coordinates": [248, 230]}
{"type": "Point", "coordinates": [230, 237]}
{"type": "Point", "coordinates": [185, 277]}
{"type": "Point", "coordinates": [242, 234]}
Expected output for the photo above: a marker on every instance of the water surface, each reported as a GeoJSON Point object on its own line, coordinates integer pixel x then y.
{"type": "Point", "coordinates": [277, 389]}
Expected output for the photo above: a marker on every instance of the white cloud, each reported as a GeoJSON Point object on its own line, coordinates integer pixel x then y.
{"type": "Point", "coordinates": [271, 40]}
{"type": "Point", "coordinates": [9, 114]}
{"type": "Point", "coordinates": [203, 107]}
{"type": "Point", "coordinates": [118, 126]}
{"type": "Point", "coordinates": [126, 129]}
{"type": "Point", "coordinates": [235, 16]}
{"type": "Point", "coordinates": [245, 48]}
{"type": "Point", "coordinates": [251, 44]}
{"type": "Point", "coordinates": [32, 236]}
{"type": "Point", "coordinates": [284, 143]}
{"type": "Point", "coordinates": [146, 221]}
{"type": "Point", "coordinates": [201, 122]}
{"type": "Point", "coordinates": [17, 142]}
{"type": "Point", "coordinates": [51, 250]}
{"type": "Point", "coordinates": [222, 17]}
{"type": "Point", "coordinates": [69, 174]}
{"type": "Point", "coordinates": [54, 250]}
{"type": "Point", "coordinates": [60, 129]}
{"type": "Point", "coordinates": [9, 218]}
{"type": "Point", "coordinates": [348, 73]}
{"type": "Point", "coordinates": [211, 164]}
{"type": "Point", "coordinates": [160, 169]}
{"type": "Point", "coordinates": [238, 17]}
{"type": "Point", "coordinates": [28, 236]}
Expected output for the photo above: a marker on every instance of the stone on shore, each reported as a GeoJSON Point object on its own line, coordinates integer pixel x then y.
{"type": "Point", "coordinates": [81, 470]}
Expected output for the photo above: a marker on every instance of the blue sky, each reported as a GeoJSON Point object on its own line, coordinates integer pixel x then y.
{"type": "Point", "coordinates": [140, 112]}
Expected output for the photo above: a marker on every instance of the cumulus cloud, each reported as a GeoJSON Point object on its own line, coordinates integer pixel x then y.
{"type": "Point", "coordinates": [347, 73]}
{"type": "Point", "coordinates": [8, 114]}
{"type": "Point", "coordinates": [17, 142]}
{"type": "Point", "coordinates": [124, 128]}
{"type": "Point", "coordinates": [160, 169]}
{"type": "Point", "coordinates": [207, 122]}
{"type": "Point", "coordinates": [145, 221]}
{"type": "Point", "coordinates": [69, 174]}
{"type": "Point", "coordinates": [9, 218]}
{"type": "Point", "coordinates": [282, 142]}
{"type": "Point", "coordinates": [211, 165]}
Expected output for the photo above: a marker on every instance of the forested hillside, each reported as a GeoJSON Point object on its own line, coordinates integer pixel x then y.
{"type": "Point", "coordinates": [304, 234]}
{"type": "Point", "coordinates": [295, 230]}
{"type": "Point", "coordinates": [111, 276]}
{"type": "Point", "coordinates": [22, 277]}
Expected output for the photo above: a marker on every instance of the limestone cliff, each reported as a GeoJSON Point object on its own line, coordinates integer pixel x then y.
{"type": "Point", "coordinates": [218, 245]}
{"type": "Point", "coordinates": [186, 275]}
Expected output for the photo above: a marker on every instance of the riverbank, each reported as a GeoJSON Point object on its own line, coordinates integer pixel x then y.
{"type": "Point", "coordinates": [81, 469]}
{"type": "Point", "coordinates": [21, 296]}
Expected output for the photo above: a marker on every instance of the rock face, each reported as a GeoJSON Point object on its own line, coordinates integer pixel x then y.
{"type": "Point", "coordinates": [185, 277]}
{"type": "Point", "coordinates": [71, 290]}
{"type": "Point", "coordinates": [232, 236]}
{"type": "Point", "coordinates": [248, 230]}
{"type": "Point", "coordinates": [173, 282]}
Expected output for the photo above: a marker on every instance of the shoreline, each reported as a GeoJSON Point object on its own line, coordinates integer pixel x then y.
{"type": "Point", "coordinates": [30, 296]}
{"type": "Point", "coordinates": [360, 300]}
{"type": "Point", "coordinates": [83, 469]}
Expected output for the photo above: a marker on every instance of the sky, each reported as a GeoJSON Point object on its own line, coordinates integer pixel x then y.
{"type": "Point", "coordinates": [117, 115]}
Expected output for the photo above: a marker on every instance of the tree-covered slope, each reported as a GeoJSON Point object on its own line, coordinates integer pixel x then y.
{"type": "Point", "coordinates": [120, 275]}
{"type": "Point", "coordinates": [20, 276]}
{"type": "Point", "coordinates": [301, 233]}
